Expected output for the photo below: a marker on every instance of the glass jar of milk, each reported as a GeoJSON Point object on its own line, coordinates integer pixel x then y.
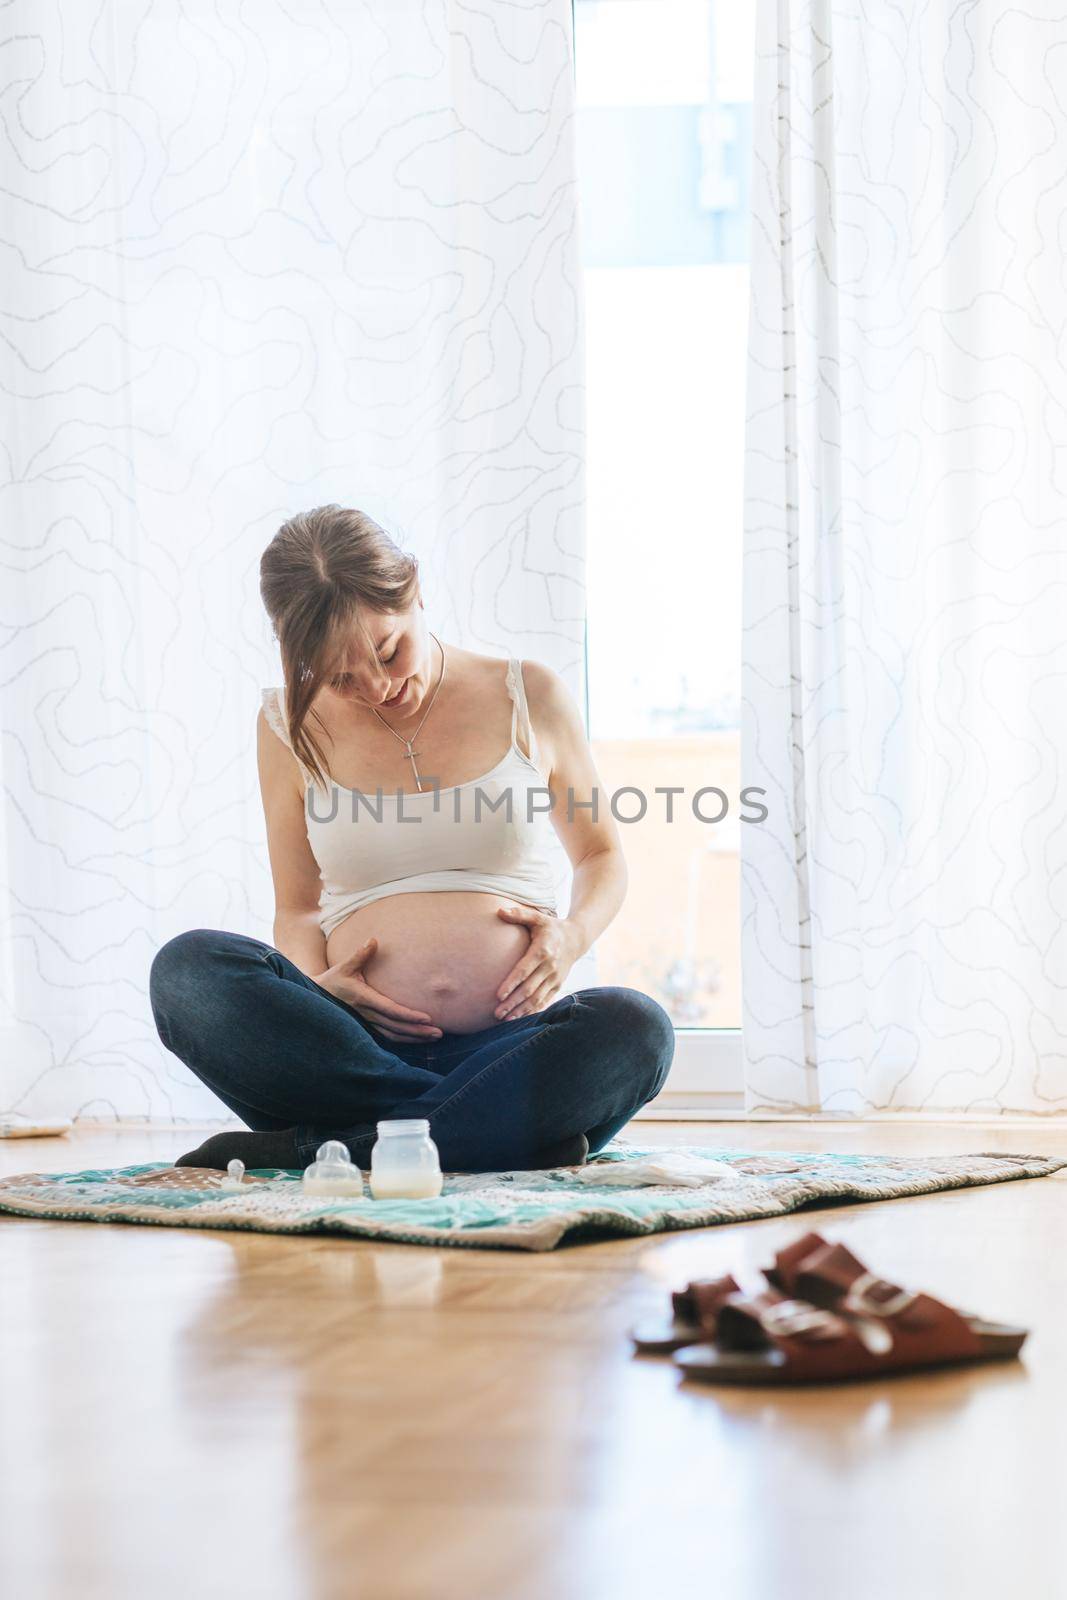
{"type": "Point", "coordinates": [404, 1164]}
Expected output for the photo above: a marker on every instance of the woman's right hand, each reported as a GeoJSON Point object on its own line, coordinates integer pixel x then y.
{"type": "Point", "coordinates": [347, 983]}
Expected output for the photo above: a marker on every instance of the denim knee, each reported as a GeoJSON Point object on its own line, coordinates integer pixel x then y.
{"type": "Point", "coordinates": [659, 1039]}
{"type": "Point", "coordinates": [648, 1032]}
{"type": "Point", "coordinates": [183, 957]}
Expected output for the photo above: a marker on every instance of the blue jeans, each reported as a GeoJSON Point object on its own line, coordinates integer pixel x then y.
{"type": "Point", "coordinates": [282, 1052]}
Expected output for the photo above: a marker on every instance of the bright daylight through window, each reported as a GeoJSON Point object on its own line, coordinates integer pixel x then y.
{"type": "Point", "coordinates": [665, 105]}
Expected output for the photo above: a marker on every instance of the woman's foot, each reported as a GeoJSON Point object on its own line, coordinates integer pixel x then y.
{"type": "Point", "coordinates": [276, 1149]}
{"type": "Point", "coordinates": [568, 1153]}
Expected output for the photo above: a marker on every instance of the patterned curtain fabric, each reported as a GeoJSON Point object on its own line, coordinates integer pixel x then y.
{"type": "Point", "coordinates": [905, 656]}
{"type": "Point", "coordinates": [255, 259]}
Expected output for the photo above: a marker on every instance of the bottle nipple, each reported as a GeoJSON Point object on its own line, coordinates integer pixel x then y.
{"type": "Point", "coordinates": [332, 1172]}
{"type": "Point", "coordinates": [235, 1173]}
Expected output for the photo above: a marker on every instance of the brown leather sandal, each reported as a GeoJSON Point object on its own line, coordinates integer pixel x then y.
{"type": "Point", "coordinates": [839, 1322]}
{"type": "Point", "coordinates": [783, 1275]}
{"type": "Point", "coordinates": [696, 1306]}
{"type": "Point", "coordinates": [696, 1309]}
{"type": "Point", "coordinates": [837, 1280]}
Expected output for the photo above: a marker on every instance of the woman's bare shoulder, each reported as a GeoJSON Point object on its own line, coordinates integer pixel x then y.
{"type": "Point", "coordinates": [547, 694]}
{"type": "Point", "coordinates": [558, 724]}
{"type": "Point", "coordinates": [545, 688]}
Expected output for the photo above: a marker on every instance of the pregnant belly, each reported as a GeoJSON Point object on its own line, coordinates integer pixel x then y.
{"type": "Point", "coordinates": [445, 953]}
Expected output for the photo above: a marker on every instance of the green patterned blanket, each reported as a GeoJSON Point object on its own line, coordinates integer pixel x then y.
{"type": "Point", "coordinates": [611, 1195]}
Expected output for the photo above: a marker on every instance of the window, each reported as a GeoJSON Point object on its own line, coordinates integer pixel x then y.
{"type": "Point", "coordinates": [665, 104]}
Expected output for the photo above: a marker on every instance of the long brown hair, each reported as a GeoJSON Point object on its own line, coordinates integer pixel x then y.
{"type": "Point", "coordinates": [316, 574]}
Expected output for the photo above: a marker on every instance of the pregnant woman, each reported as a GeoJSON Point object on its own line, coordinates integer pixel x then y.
{"type": "Point", "coordinates": [418, 955]}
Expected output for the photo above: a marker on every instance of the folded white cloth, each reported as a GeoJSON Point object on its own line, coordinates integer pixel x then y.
{"type": "Point", "coordinates": [674, 1169]}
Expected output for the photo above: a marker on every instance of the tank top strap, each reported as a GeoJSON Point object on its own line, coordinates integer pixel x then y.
{"type": "Point", "coordinates": [520, 711]}
{"type": "Point", "coordinates": [274, 711]}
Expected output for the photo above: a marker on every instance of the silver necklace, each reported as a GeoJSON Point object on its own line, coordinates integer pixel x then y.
{"type": "Point", "coordinates": [409, 752]}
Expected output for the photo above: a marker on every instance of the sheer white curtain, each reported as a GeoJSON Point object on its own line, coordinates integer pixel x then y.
{"type": "Point", "coordinates": [255, 260]}
{"type": "Point", "coordinates": [905, 673]}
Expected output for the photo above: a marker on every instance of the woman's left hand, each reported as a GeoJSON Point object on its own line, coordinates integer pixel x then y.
{"type": "Point", "coordinates": [535, 980]}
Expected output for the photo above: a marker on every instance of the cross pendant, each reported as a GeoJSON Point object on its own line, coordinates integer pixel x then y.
{"type": "Point", "coordinates": [410, 755]}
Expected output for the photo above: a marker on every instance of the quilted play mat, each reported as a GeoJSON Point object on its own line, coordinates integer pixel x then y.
{"type": "Point", "coordinates": [623, 1190]}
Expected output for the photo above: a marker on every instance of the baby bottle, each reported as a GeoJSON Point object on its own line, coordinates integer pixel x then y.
{"type": "Point", "coordinates": [404, 1164]}
{"type": "Point", "coordinates": [332, 1172]}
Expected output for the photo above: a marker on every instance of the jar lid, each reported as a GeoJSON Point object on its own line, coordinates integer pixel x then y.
{"type": "Point", "coordinates": [415, 1125]}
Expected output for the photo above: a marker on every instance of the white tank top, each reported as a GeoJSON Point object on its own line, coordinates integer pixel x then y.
{"type": "Point", "coordinates": [490, 834]}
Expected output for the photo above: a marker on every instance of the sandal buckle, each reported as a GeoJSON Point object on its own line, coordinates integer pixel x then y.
{"type": "Point", "coordinates": [790, 1317]}
{"type": "Point", "coordinates": [863, 1298]}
